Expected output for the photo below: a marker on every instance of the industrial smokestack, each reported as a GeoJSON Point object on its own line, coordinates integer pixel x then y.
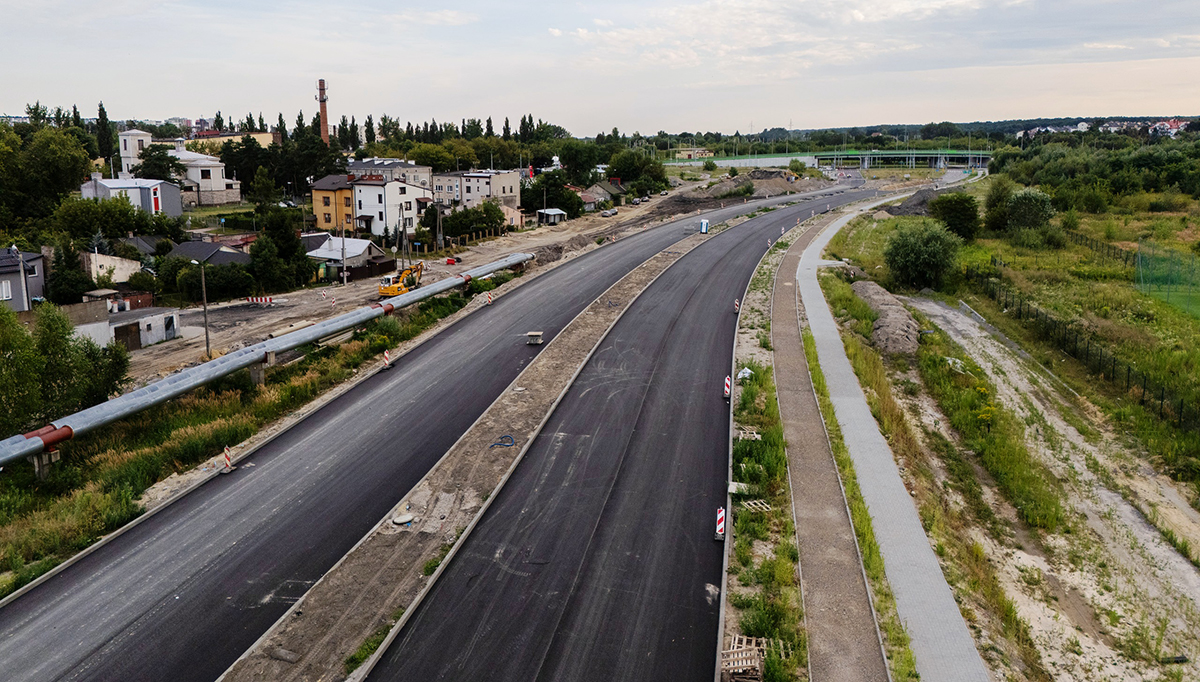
{"type": "Point", "coordinates": [322, 98]}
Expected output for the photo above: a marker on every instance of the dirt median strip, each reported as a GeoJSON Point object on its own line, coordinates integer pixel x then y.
{"type": "Point", "coordinates": [386, 571]}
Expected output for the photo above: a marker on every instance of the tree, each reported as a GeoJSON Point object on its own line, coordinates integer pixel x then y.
{"type": "Point", "coordinates": [433, 155]}
{"type": "Point", "coordinates": [369, 129]}
{"type": "Point", "coordinates": [343, 133]}
{"type": "Point", "coordinates": [933, 131]}
{"type": "Point", "coordinates": [67, 282]}
{"type": "Point", "coordinates": [104, 134]}
{"type": "Point", "coordinates": [921, 254]}
{"type": "Point", "coordinates": [795, 165]}
{"type": "Point", "coordinates": [488, 131]}
{"type": "Point", "coordinates": [355, 140]}
{"type": "Point", "coordinates": [549, 188]}
{"type": "Point", "coordinates": [76, 121]}
{"type": "Point", "coordinates": [579, 159]}
{"type": "Point", "coordinates": [710, 165]}
{"type": "Point", "coordinates": [219, 122]}
{"type": "Point", "coordinates": [269, 271]}
{"type": "Point", "coordinates": [158, 164]}
{"type": "Point", "coordinates": [38, 172]}
{"type": "Point", "coordinates": [249, 126]}
{"type": "Point", "coordinates": [281, 128]}
{"type": "Point", "coordinates": [1029, 209]}
{"type": "Point", "coordinates": [959, 212]}
{"type": "Point", "coordinates": [262, 191]}
{"type": "Point", "coordinates": [20, 376]}
{"type": "Point", "coordinates": [262, 125]}
{"type": "Point", "coordinates": [995, 204]}
{"type": "Point", "coordinates": [507, 134]}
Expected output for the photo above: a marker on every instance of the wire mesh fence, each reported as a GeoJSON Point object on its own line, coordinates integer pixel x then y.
{"type": "Point", "coordinates": [1169, 275]}
{"type": "Point", "coordinates": [1168, 403]}
{"type": "Point", "coordinates": [1104, 249]}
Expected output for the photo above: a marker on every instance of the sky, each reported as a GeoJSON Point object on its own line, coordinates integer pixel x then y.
{"type": "Point", "coordinates": [720, 65]}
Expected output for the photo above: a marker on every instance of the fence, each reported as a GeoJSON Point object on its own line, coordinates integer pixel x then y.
{"type": "Point", "coordinates": [1169, 275]}
{"type": "Point", "coordinates": [1170, 405]}
{"type": "Point", "coordinates": [1104, 249]}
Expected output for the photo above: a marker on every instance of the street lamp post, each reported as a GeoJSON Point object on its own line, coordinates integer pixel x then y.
{"type": "Point", "coordinates": [204, 297]}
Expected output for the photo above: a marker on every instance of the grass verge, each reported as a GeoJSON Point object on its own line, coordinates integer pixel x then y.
{"type": "Point", "coordinates": [895, 639]}
{"type": "Point", "coordinates": [371, 644]}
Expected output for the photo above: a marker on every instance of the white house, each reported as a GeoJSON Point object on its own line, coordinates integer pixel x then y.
{"type": "Point", "coordinates": [151, 196]}
{"type": "Point", "coordinates": [358, 251]}
{"type": "Point", "coordinates": [380, 203]}
{"type": "Point", "coordinates": [468, 189]}
{"type": "Point", "coordinates": [391, 169]}
{"type": "Point", "coordinates": [204, 182]}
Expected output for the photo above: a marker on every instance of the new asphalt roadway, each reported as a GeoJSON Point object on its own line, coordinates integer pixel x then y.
{"type": "Point", "coordinates": [183, 594]}
{"type": "Point", "coordinates": [597, 560]}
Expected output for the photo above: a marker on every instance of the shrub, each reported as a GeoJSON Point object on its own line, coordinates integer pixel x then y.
{"type": "Point", "coordinates": [959, 211]}
{"type": "Point", "coordinates": [999, 193]}
{"type": "Point", "coordinates": [1029, 208]}
{"type": "Point", "coordinates": [710, 165]}
{"type": "Point", "coordinates": [921, 255]}
{"type": "Point", "coordinates": [733, 171]}
{"type": "Point", "coordinates": [1070, 220]}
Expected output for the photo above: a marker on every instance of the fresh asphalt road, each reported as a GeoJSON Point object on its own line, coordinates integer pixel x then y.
{"type": "Point", "coordinates": [183, 594]}
{"type": "Point", "coordinates": [597, 559]}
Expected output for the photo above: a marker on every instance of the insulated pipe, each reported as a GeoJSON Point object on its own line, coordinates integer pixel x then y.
{"type": "Point", "coordinates": [94, 417]}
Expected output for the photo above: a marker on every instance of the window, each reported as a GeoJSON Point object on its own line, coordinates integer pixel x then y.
{"type": "Point", "coordinates": [141, 145]}
{"type": "Point", "coordinates": [402, 190]}
{"type": "Point", "coordinates": [125, 144]}
{"type": "Point", "coordinates": [205, 174]}
{"type": "Point", "coordinates": [468, 189]}
{"type": "Point", "coordinates": [360, 204]}
{"type": "Point", "coordinates": [380, 198]}
{"type": "Point", "coordinates": [325, 201]}
{"type": "Point", "coordinates": [347, 218]}
{"type": "Point", "coordinates": [346, 200]}
{"type": "Point", "coordinates": [381, 216]}
{"type": "Point", "coordinates": [408, 205]}
{"type": "Point", "coordinates": [328, 218]}
{"type": "Point", "coordinates": [33, 271]}
{"type": "Point", "coordinates": [5, 290]}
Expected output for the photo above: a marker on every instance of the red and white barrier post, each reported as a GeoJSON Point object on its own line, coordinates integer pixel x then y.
{"type": "Point", "coordinates": [228, 462]}
{"type": "Point", "coordinates": [720, 534]}
{"type": "Point", "coordinates": [489, 298]}
{"type": "Point", "coordinates": [728, 385]}
{"type": "Point", "coordinates": [387, 359]}
{"type": "Point", "coordinates": [737, 305]}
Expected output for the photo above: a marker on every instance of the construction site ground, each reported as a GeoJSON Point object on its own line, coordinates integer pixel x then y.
{"type": "Point", "coordinates": [384, 574]}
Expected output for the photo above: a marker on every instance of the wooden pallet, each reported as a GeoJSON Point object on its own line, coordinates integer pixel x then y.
{"type": "Point", "coordinates": [748, 434]}
{"type": "Point", "coordinates": [742, 660]}
{"type": "Point", "coordinates": [763, 645]}
{"type": "Point", "coordinates": [756, 505]}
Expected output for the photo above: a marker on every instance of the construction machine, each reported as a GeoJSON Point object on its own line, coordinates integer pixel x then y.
{"type": "Point", "coordinates": [401, 282]}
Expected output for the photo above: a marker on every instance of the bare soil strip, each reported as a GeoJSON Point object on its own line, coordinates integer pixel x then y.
{"type": "Point", "coordinates": [386, 571]}
{"type": "Point", "coordinates": [843, 637]}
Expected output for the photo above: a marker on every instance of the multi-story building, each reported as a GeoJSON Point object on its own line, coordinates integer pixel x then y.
{"type": "Point", "coordinates": [391, 169]}
{"type": "Point", "coordinates": [380, 203]}
{"type": "Point", "coordinates": [333, 202]}
{"type": "Point", "coordinates": [468, 189]}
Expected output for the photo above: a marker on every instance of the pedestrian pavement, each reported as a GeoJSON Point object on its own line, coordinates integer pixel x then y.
{"type": "Point", "coordinates": [843, 637]}
{"type": "Point", "coordinates": [941, 642]}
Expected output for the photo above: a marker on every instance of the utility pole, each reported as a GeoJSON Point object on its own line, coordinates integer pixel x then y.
{"type": "Point", "coordinates": [204, 297]}
{"type": "Point", "coordinates": [343, 253]}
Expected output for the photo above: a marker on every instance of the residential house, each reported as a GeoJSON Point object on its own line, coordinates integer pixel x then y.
{"type": "Point", "coordinates": [333, 202]}
{"type": "Point", "coordinates": [608, 190]}
{"type": "Point", "coordinates": [143, 327]}
{"type": "Point", "coordinates": [98, 265]}
{"type": "Point", "coordinates": [380, 203]}
{"type": "Point", "coordinates": [693, 153]}
{"type": "Point", "coordinates": [204, 182]}
{"type": "Point", "coordinates": [589, 200]}
{"type": "Point", "coordinates": [391, 169]}
{"type": "Point", "coordinates": [468, 189]}
{"type": "Point", "coordinates": [21, 278]}
{"type": "Point", "coordinates": [208, 252]}
{"type": "Point", "coordinates": [313, 240]}
{"type": "Point", "coordinates": [358, 252]}
{"type": "Point", "coordinates": [151, 196]}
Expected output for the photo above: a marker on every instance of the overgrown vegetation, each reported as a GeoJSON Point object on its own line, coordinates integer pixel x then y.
{"type": "Point", "coordinates": [895, 638]}
{"type": "Point", "coordinates": [371, 644]}
{"type": "Point", "coordinates": [921, 254]}
{"type": "Point", "coordinates": [94, 489]}
{"type": "Point", "coordinates": [774, 609]}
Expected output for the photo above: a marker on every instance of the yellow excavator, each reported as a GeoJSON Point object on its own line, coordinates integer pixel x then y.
{"type": "Point", "coordinates": [401, 282]}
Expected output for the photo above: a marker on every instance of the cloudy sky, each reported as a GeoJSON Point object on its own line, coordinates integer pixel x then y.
{"type": "Point", "coordinates": [648, 65]}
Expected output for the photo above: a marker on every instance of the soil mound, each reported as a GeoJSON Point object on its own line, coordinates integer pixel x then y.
{"type": "Point", "coordinates": [895, 331]}
{"type": "Point", "coordinates": [917, 204]}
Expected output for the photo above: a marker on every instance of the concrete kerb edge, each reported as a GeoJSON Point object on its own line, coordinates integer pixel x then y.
{"type": "Point", "coordinates": [311, 407]}
{"type": "Point", "coordinates": [845, 502]}
{"type": "Point", "coordinates": [365, 669]}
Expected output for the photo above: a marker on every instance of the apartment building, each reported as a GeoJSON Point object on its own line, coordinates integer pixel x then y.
{"type": "Point", "coordinates": [468, 189]}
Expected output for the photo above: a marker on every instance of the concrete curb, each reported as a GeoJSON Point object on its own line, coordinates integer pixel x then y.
{"type": "Point", "coordinates": [365, 669]}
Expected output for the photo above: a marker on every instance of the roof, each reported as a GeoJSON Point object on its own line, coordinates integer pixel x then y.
{"type": "Point", "coordinates": [132, 131]}
{"type": "Point", "coordinates": [609, 187]}
{"type": "Point", "coordinates": [147, 244]}
{"type": "Point", "coordinates": [127, 316]}
{"type": "Point", "coordinates": [331, 183]}
{"type": "Point", "coordinates": [552, 211]}
{"type": "Point", "coordinates": [314, 240]}
{"type": "Point", "coordinates": [187, 157]}
{"type": "Point", "coordinates": [376, 163]}
{"type": "Point", "coordinates": [130, 183]}
{"type": "Point", "coordinates": [209, 252]}
{"type": "Point", "coordinates": [9, 263]}
{"type": "Point", "coordinates": [332, 248]}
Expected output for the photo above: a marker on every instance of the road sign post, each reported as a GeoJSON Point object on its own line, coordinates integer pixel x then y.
{"type": "Point", "coordinates": [720, 534]}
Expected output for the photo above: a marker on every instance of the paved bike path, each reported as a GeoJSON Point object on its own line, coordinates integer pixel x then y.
{"type": "Point", "coordinates": [941, 643]}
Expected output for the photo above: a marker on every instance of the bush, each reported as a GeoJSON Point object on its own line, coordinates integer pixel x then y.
{"type": "Point", "coordinates": [710, 165]}
{"type": "Point", "coordinates": [143, 281]}
{"type": "Point", "coordinates": [1070, 220]}
{"type": "Point", "coordinates": [959, 211]}
{"type": "Point", "coordinates": [921, 255]}
{"type": "Point", "coordinates": [733, 171]}
{"type": "Point", "coordinates": [1029, 209]}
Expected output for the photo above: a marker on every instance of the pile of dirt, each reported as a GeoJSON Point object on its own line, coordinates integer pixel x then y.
{"type": "Point", "coordinates": [767, 182]}
{"type": "Point", "coordinates": [895, 331]}
{"type": "Point", "coordinates": [553, 252]}
{"type": "Point", "coordinates": [917, 204]}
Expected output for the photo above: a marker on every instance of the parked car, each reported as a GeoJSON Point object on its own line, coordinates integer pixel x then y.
{"type": "Point", "coordinates": [607, 213]}
{"type": "Point", "coordinates": [646, 198]}
{"type": "Point", "coordinates": [636, 201]}
{"type": "Point", "coordinates": [662, 193]}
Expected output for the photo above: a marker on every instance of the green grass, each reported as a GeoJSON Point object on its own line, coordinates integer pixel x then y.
{"type": "Point", "coordinates": [370, 645]}
{"type": "Point", "coordinates": [94, 489]}
{"type": "Point", "coordinates": [847, 307]}
{"type": "Point", "coordinates": [431, 566]}
{"type": "Point", "coordinates": [896, 641]}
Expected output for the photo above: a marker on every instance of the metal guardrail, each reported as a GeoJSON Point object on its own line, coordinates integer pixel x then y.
{"type": "Point", "coordinates": [94, 417]}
